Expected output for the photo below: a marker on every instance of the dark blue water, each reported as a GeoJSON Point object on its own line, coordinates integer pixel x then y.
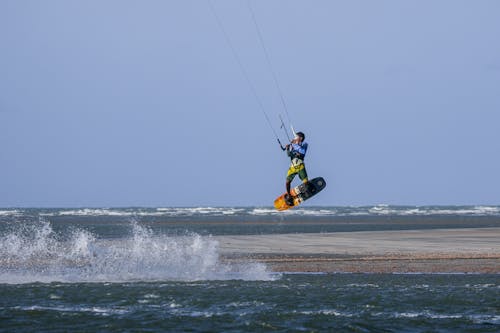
{"type": "Point", "coordinates": [158, 269]}
{"type": "Point", "coordinates": [339, 302]}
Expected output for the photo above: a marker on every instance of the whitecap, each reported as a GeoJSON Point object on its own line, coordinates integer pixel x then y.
{"type": "Point", "coordinates": [10, 212]}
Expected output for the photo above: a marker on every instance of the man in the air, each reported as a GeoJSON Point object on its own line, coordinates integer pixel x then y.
{"type": "Point", "coordinates": [297, 151]}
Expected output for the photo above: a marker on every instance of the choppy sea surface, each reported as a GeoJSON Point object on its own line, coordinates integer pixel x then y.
{"type": "Point", "coordinates": [158, 269]}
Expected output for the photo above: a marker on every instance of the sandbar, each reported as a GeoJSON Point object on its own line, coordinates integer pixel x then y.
{"type": "Point", "coordinates": [465, 250]}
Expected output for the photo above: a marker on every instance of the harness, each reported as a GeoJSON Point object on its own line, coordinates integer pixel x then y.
{"type": "Point", "coordinates": [297, 163]}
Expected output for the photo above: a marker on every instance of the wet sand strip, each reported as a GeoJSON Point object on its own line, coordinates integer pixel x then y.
{"type": "Point", "coordinates": [471, 250]}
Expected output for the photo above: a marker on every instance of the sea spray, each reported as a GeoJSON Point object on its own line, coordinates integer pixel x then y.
{"type": "Point", "coordinates": [35, 253]}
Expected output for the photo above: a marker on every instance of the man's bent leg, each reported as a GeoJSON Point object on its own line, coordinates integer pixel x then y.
{"type": "Point", "coordinates": [288, 195]}
{"type": "Point", "coordinates": [303, 175]}
{"type": "Point", "coordinates": [288, 183]}
{"type": "Point", "coordinates": [289, 178]}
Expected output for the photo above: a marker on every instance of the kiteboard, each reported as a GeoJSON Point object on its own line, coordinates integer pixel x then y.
{"type": "Point", "coordinates": [300, 193]}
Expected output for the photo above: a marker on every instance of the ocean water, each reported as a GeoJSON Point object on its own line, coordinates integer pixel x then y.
{"type": "Point", "coordinates": [159, 269]}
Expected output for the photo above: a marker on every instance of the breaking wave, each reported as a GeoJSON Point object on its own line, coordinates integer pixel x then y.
{"type": "Point", "coordinates": [35, 253]}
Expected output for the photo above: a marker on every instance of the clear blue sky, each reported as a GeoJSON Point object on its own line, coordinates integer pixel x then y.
{"type": "Point", "coordinates": [131, 103]}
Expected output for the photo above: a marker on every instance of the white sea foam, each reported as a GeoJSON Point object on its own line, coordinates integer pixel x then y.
{"type": "Point", "coordinates": [363, 285]}
{"type": "Point", "coordinates": [383, 210]}
{"type": "Point", "coordinates": [326, 312]}
{"type": "Point", "coordinates": [419, 314]}
{"type": "Point", "coordinates": [131, 212]}
{"type": "Point", "coordinates": [95, 310]}
{"type": "Point", "coordinates": [10, 212]}
{"type": "Point", "coordinates": [102, 212]}
{"type": "Point", "coordinates": [485, 319]}
{"type": "Point", "coordinates": [476, 318]}
{"type": "Point", "coordinates": [380, 210]}
{"type": "Point", "coordinates": [36, 253]}
{"type": "Point", "coordinates": [193, 211]}
{"type": "Point", "coordinates": [303, 211]}
{"type": "Point", "coordinates": [294, 212]}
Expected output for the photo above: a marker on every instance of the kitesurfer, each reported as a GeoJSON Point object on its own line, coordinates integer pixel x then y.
{"type": "Point", "coordinates": [296, 150]}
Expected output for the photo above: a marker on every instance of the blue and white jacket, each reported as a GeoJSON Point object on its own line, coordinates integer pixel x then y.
{"type": "Point", "coordinates": [298, 150]}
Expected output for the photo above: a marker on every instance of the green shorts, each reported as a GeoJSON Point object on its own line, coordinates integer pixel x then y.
{"type": "Point", "coordinates": [297, 169]}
